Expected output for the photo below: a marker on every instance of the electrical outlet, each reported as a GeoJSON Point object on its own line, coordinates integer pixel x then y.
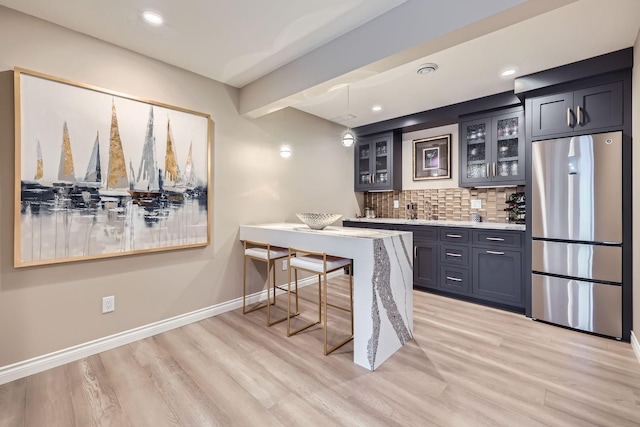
{"type": "Point", "coordinates": [108, 304]}
{"type": "Point", "coordinates": [476, 204]}
{"type": "Point", "coordinates": [396, 204]}
{"type": "Point", "coordinates": [284, 264]}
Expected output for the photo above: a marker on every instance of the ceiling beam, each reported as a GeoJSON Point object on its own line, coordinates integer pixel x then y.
{"type": "Point", "coordinates": [406, 33]}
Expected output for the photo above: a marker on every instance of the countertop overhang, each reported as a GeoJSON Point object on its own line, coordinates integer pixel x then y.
{"type": "Point", "coordinates": [440, 223]}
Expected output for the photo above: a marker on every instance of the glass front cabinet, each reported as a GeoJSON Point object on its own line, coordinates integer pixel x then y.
{"type": "Point", "coordinates": [492, 149]}
{"type": "Point", "coordinates": [378, 162]}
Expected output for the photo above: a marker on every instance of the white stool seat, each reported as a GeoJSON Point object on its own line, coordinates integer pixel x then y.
{"type": "Point", "coordinates": [263, 253]}
{"type": "Point", "coordinates": [316, 263]}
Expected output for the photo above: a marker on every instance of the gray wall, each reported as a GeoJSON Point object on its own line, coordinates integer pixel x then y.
{"type": "Point", "coordinates": [48, 308]}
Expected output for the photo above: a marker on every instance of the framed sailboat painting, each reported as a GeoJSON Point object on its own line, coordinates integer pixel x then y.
{"type": "Point", "coordinates": [101, 174]}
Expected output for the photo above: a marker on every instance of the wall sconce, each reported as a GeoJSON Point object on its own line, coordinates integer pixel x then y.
{"type": "Point", "coordinates": [285, 151]}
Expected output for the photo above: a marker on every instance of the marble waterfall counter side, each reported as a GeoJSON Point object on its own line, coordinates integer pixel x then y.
{"type": "Point", "coordinates": [439, 223]}
{"type": "Point", "coordinates": [382, 280]}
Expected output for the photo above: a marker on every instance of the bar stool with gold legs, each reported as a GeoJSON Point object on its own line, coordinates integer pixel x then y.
{"type": "Point", "coordinates": [321, 264]}
{"type": "Point", "coordinates": [269, 254]}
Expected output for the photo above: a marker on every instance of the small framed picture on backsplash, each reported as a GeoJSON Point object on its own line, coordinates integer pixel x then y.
{"type": "Point", "coordinates": [432, 158]}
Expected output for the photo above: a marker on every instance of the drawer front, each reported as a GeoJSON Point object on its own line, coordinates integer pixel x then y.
{"type": "Point", "coordinates": [454, 279]}
{"type": "Point", "coordinates": [562, 301]}
{"type": "Point", "coordinates": [511, 239]}
{"type": "Point", "coordinates": [454, 255]}
{"type": "Point", "coordinates": [422, 232]}
{"type": "Point", "coordinates": [594, 262]}
{"type": "Point", "coordinates": [454, 235]}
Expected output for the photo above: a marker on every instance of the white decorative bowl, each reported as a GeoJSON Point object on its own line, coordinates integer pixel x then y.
{"type": "Point", "coordinates": [318, 221]}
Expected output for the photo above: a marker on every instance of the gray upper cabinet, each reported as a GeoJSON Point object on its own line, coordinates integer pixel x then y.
{"type": "Point", "coordinates": [492, 149]}
{"type": "Point", "coordinates": [378, 162]}
{"type": "Point", "coordinates": [580, 111]}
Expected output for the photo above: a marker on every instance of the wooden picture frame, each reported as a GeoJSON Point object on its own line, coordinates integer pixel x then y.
{"type": "Point", "coordinates": [103, 174]}
{"type": "Point", "coordinates": [432, 158]}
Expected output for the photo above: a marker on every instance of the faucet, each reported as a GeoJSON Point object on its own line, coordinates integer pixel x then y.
{"type": "Point", "coordinates": [412, 211]}
{"type": "Point", "coordinates": [427, 210]}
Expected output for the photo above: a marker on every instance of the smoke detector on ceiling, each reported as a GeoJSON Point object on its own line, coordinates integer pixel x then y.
{"type": "Point", "coordinates": [427, 68]}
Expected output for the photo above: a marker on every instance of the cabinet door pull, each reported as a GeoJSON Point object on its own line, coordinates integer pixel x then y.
{"type": "Point", "coordinates": [495, 239]}
{"type": "Point", "coordinates": [454, 255]}
{"type": "Point", "coordinates": [455, 236]}
{"type": "Point", "coordinates": [495, 253]}
{"type": "Point", "coordinates": [494, 169]}
{"type": "Point", "coordinates": [578, 115]}
{"type": "Point", "coordinates": [569, 117]}
{"type": "Point", "coordinates": [454, 279]}
{"type": "Point", "coordinates": [487, 167]}
{"type": "Point", "coordinates": [415, 252]}
{"type": "Point", "coordinates": [371, 179]}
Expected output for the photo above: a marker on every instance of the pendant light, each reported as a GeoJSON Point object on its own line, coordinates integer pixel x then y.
{"type": "Point", "coordinates": [285, 149]}
{"type": "Point", "coordinates": [348, 137]}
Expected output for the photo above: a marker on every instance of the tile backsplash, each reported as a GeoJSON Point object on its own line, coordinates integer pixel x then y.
{"type": "Point", "coordinates": [444, 204]}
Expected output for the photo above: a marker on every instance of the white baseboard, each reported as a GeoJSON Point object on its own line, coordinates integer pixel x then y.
{"type": "Point", "coordinates": [635, 344]}
{"type": "Point", "coordinates": [37, 364]}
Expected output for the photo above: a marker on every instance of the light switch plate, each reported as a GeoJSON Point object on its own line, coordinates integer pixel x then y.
{"type": "Point", "coordinates": [396, 204]}
{"type": "Point", "coordinates": [476, 204]}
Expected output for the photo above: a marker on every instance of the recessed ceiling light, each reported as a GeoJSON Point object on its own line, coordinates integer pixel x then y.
{"type": "Point", "coordinates": [152, 18]}
{"type": "Point", "coordinates": [376, 108]}
{"type": "Point", "coordinates": [427, 68]}
{"type": "Point", "coordinates": [508, 72]}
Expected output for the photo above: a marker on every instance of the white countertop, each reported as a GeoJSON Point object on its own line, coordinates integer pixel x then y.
{"type": "Point", "coordinates": [367, 233]}
{"type": "Point", "coordinates": [439, 223]}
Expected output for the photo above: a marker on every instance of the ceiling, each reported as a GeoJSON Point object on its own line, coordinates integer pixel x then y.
{"type": "Point", "coordinates": [336, 59]}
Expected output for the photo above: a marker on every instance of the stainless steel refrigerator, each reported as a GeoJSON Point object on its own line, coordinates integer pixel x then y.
{"type": "Point", "coordinates": [576, 220]}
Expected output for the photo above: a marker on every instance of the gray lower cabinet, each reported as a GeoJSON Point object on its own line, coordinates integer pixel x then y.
{"type": "Point", "coordinates": [480, 265]}
{"type": "Point", "coordinates": [497, 267]}
{"type": "Point", "coordinates": [455, 261]}
{"type": "Point", "coordinates": [425, 256]}
{"type": "Point", "coordinates": [497, 275]}
{"type": "Point", "coordinates": [425, 263]}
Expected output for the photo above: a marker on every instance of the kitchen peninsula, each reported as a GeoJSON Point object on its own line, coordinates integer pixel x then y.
{"type": "Point", "coordinates": [382, 280]}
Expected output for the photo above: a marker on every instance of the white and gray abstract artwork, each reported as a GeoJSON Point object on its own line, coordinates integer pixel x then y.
{"type": "Point", "coordinates": [104, 175]}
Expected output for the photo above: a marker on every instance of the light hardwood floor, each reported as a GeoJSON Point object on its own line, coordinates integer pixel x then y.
{"type": "Point", "coordinates": [468, 365]}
